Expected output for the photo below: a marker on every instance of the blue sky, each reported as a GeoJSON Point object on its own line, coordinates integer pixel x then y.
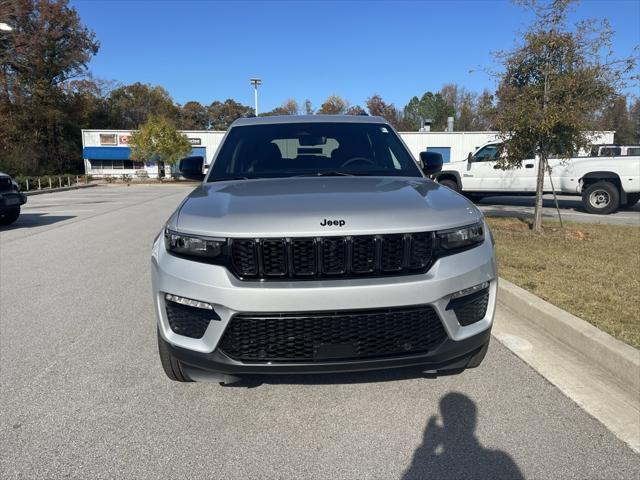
{"type": "Point", "coordinates": [206, 50]}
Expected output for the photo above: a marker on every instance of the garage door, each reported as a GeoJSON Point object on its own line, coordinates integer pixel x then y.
{"type": "Point", "coordinates": [444, 151]}
{"type": "Point", "coordinates": [199, 152]}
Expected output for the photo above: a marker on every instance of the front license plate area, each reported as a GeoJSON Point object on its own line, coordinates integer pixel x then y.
{"type": "Point", "coordinates": [11, 201]}
{"type": "Point", "coordinates": [333, 351]}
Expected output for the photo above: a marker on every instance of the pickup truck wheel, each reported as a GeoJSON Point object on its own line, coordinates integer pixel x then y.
{"type": "Point", "coordinates": [601, 198]}
{"type": "Point", "coordinates": [452, 184]}
{"type": "Point", "coordinates": [170, 364]}
{"type": "Point", "coordinates": [10, 216]}
{"type": "Point", "coordinates": [632, 199]}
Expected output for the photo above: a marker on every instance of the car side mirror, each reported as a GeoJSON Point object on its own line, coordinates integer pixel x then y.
{"type": "Point", "coordinates": [191, 168]}
{"type": "Point", "coordinates": [431, 162]}
{"type": "Point", "coordinates": [470, 157]}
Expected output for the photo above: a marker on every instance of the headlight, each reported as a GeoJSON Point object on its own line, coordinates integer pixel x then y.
{"type": "Point", "coordinates": [192, 245]}
{"type": "Point", "coordinates": [461, 237]}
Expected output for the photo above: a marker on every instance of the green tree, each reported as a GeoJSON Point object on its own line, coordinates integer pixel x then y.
{"type": "Point", "coordinates": [158, 140]}
{"type": "Point", "coordinates": [485, 111]}
{"type": "Point", "coordinates": [223, 114]}
{"type": "Point", "coordinates": [616, 116]}
{"type": "Point", "coordinates": [333, 105]}
{"type": "Point", "coordinates": [552, 85]}
{"type": "Point", "coordinates": [355, 110]}
{"type": "Point", "coordinates": [193, 116]}
{"type": "Point", "coordinates": [132, 105]}
{"type": "Point", "coordinates": [466, 118]}
{"type": "Point", "coordinates": [288, 107]}
{"type": "Point", "coordinates": [378, 107]}
{"type": "Point", "coordinates": [432, 106]}
{"type": "Point", "coordinates": [47, 48]}
{"type": "Point", "coordinates": [634, 113]}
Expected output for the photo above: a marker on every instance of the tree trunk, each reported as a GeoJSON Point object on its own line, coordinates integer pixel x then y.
{"type": "Point", "coordinates": [537, 213]}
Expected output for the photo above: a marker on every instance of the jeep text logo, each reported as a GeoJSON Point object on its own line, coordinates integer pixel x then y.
{"type": "Point", "coordinates": [329, 223]}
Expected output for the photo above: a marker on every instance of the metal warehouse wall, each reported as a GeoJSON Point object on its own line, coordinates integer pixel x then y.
{"type": "Point", "coordinates": [458, 143]}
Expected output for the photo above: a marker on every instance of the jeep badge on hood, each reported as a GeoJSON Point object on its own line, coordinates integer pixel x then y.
{"type": "Point", "coordinates": [328, 223]}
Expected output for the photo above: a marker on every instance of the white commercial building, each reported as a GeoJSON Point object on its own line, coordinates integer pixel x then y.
{"type": "Point", "coordinates": [106, 152]}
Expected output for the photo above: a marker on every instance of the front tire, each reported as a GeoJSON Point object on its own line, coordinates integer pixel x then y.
{"type": "Point", "coordinates": [10, 216]}
{"type": "Point", "coordinates": [601, 198]}
{"type": "Point", "coordinates": [452, 184]}
{"type": "Point", "coordinates": [632, 199]}
{"type": "Point", "coordinates": [171, 365]}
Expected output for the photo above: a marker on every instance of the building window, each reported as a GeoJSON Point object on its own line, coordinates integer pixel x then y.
{"type": "Point", "coordinates": [108, 139]}
{"type": "Point", "coordinates": [99, 164]}
{"type": "Point", "coordinates": [116, 165]}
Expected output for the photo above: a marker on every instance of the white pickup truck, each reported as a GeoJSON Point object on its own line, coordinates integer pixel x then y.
{"type": "Point", "coordinates": [605, 183]}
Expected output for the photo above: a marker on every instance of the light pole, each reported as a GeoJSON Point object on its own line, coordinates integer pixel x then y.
{"type": "Point", "coordinates": [255, 82]}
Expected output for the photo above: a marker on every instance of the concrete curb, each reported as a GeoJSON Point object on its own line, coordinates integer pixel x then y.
{"type": "Point", "coordinates": [63, 189]}
{"type": "Point", "coordinates": [619, 359]}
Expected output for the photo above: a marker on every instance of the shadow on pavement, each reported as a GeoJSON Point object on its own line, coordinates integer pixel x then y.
{"type": "Point", "coordinates": [29, 220]}
{"type": "Point", "coordinates": [450, 449]}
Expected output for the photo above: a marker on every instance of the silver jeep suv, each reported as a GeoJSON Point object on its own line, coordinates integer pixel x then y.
{"type": "Point", "coordinates": [319, 244]}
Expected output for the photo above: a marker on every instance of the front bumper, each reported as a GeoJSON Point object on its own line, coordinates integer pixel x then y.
{"type": "Point", "coordinates": [11, 200]}
{"type": "Point", "coordinates": [450, 355]}
{"type": "Point", "coordinates": [230, 296]}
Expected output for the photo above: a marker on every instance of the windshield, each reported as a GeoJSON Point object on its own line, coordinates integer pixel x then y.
{"type": "Point", "coordinates": [310, 149]}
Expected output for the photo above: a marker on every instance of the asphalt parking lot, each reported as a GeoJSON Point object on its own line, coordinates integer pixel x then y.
{"type": "Point", "coordinates": [83, 394]}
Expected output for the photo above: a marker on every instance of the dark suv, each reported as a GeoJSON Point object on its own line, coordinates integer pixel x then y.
{"type": "Point", "coordinates": [10, 200]}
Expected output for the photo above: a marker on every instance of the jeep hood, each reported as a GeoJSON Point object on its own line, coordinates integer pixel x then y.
{"type": "Point", "coordinates": [298, 206]}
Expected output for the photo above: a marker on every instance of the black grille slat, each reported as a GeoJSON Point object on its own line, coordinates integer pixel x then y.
{"type": "Point", "coordinates": [298, 337]}
{"type": "Point", "coordinates": [420, 250]}
{"type": "Point", "coordinates": [392, 253]}
{"type": "Point", "coordinates": [303, 256]}
{"type": "Point", "coordinates": [363, 256]}
{"type": "Point", "coordinates": [332, 257]}
{"type": "Point", "coordinates": [244, 257]}
{"type": "Point", "coordinates": [274, 258]}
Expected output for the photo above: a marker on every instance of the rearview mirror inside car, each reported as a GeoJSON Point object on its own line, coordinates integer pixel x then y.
{"type": "Point", "coordinates": [431, 162]}
{"type": "Point", "coordinates": [191, 168]}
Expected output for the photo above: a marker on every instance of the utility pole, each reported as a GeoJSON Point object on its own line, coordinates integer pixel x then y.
{"type": "Point", "coordinates": [255, 82]}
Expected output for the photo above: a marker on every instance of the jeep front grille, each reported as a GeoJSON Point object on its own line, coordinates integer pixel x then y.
{"type": "Point", "coordinates": [332, 257]}
{"type": "Point", "coordinates": [327, 336]}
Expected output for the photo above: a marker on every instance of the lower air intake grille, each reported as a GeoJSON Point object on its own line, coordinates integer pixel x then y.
{"type": "Point", "coordinates": [327, 336]}
{"type": "Point", "coordinates": [189, 321]}
{"type": "Point", "coordinates": [471, 308]}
